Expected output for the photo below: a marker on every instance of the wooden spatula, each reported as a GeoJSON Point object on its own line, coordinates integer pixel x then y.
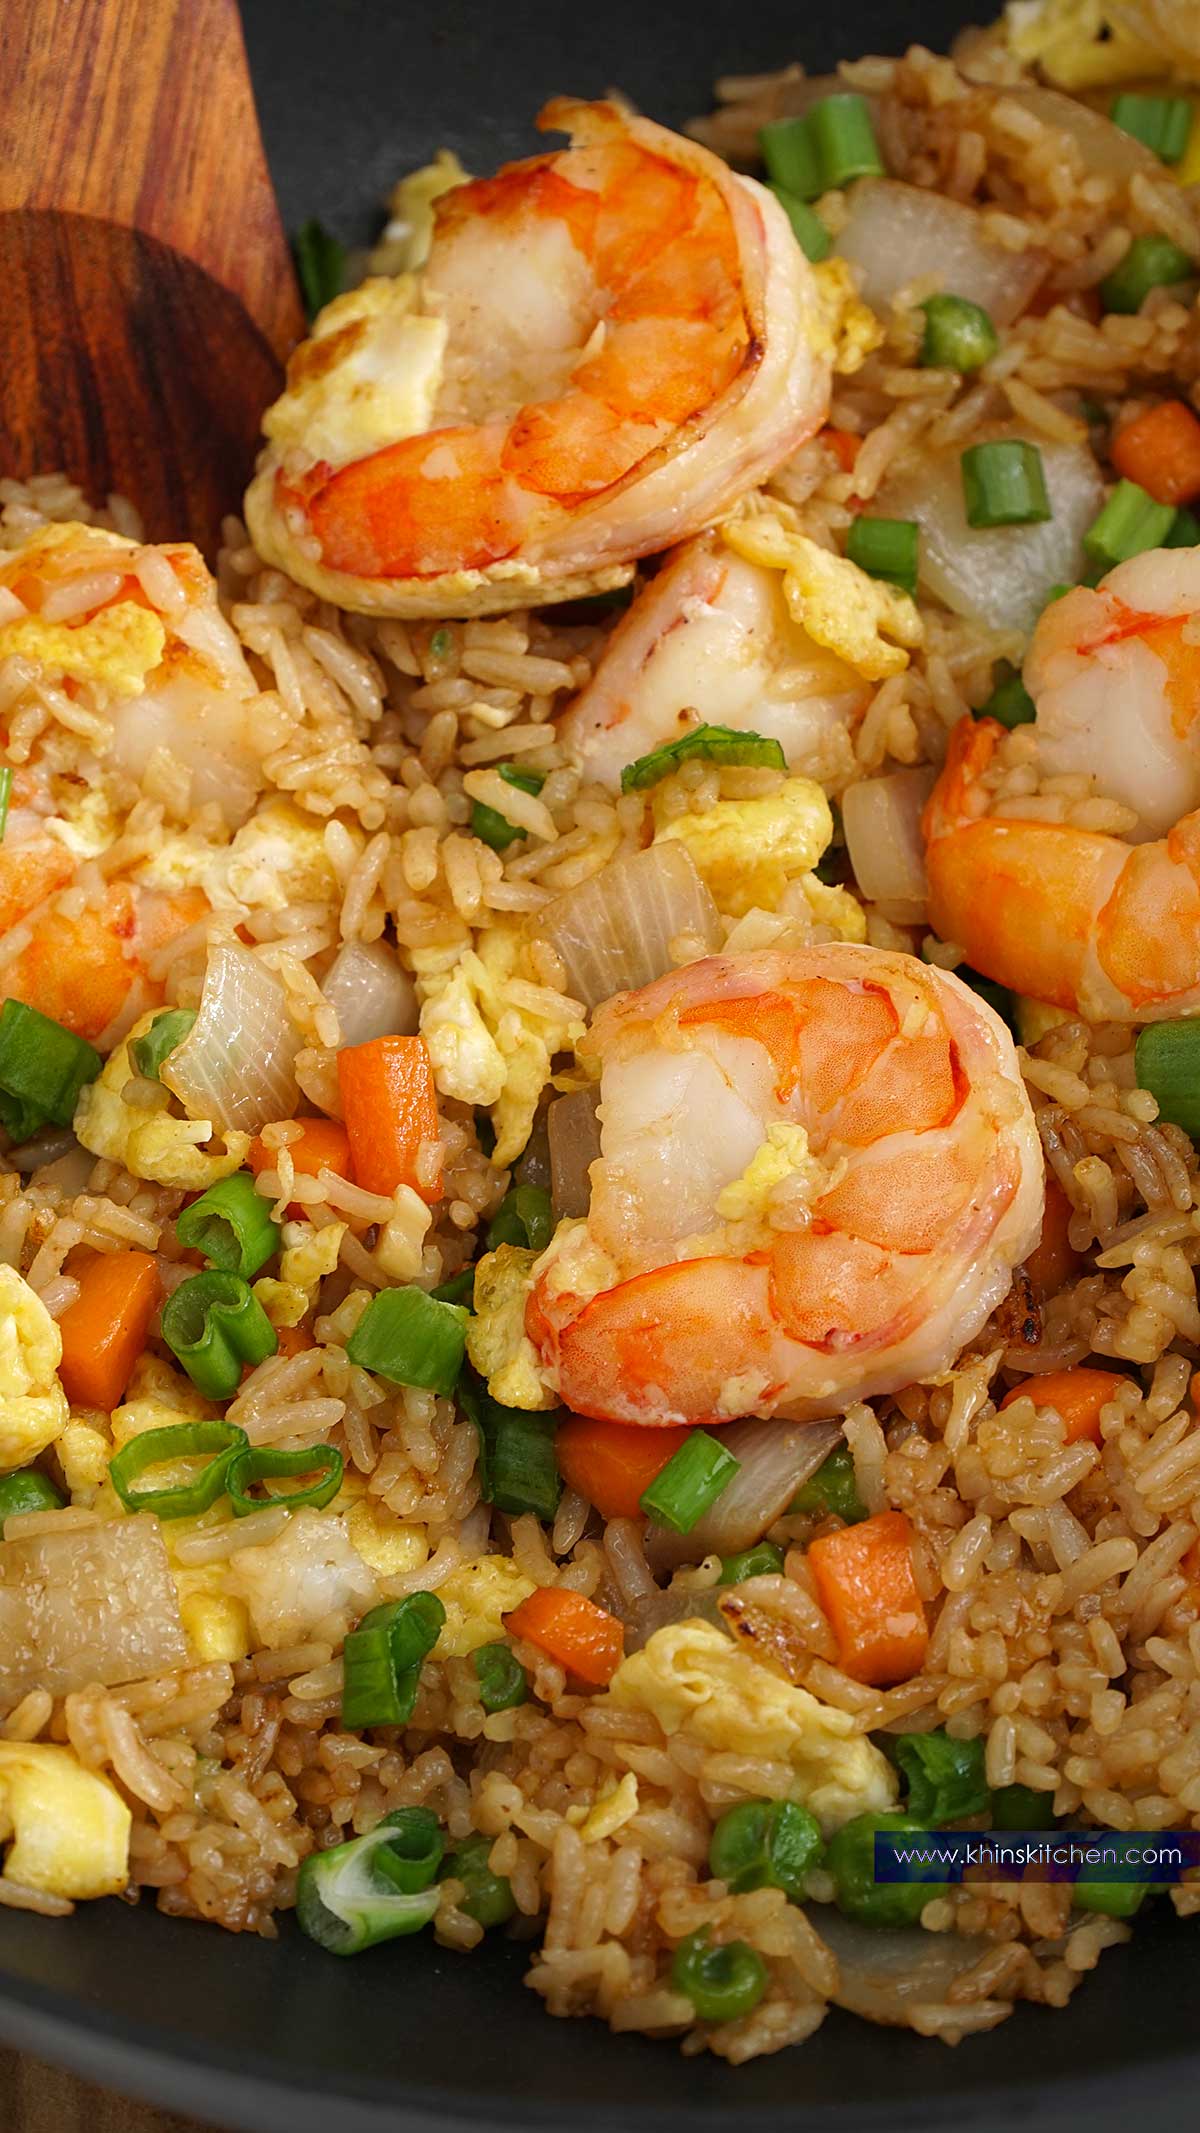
{"type": "Point", "coordinates": [148, 293]}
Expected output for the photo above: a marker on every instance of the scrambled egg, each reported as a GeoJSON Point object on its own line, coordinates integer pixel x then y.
{"type": "Point", "coordinates": [310, 1577]}
{"type": "Point", "coordinates": [476, 1597]}
{"type": "Point", "coordinates": [216, 1625]}
{"type": "Point", "coordinates": [151, 1144]}
{"type": "Point", "coordinates": [691, 1677]}
{"type": "Point", "coordinates": [408, 237]}
{"type": "Point", "coordinates": [1036, 1017]}
{"type": "Point", "coordinates": [872, 626]}
{"type": "Point", "coordinates": [386, 1543]}
{"type": "Point", "coordinates": [276, 859]}
{"type": "Point", "coordinates": [484, 1049]}
{"type": "Point", "coordinates": [33, 1405]}
{"type": "Point", "coordinates": [497, 1342]}
{"type": "Point", "coordinates": [69, 1827]}
{"type": "Point", "coordinates": [1091, 44]}
{"type": "Point", "coordinates": [750, 850]}
{"type": "Point", "coordinates": [117, 647]}
{"type": "Point", "coordinates": [616, 1805]}
{"type": "Point", "coordinates": [368, 374]}
{"type": "Point", "coordinates": [849, 330]}
{"type": "Point", "coordinates": [783, 1155]}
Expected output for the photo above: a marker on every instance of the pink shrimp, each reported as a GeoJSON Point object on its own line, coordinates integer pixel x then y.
{"type": "Point", "coordinates": [818, 1171]}
{"type": "Point", "coordinates": [618, 341]}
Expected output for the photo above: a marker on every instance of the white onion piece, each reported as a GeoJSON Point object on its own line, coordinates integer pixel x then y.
{"type": "Point", "coordinates": [775, 1459]}
{"type": "Point", "coordinates": [881, 818]}
{"type": "Point", "coordinates": [574, 1130]}
{"type": "Point", "coordinates": [998, 575]}
{"type": "Point", "coordinates": [615, 932]}
{"type": "Point", "coordinates": [236, 1066]}
{"type": "Point", "coordinates": [656, 1610]}
{"type": "Point", "coordinates": [897, 234]}
{"type": "Point", "coordinates": [83, 1604]}
{"type": "Point", "coordinates": [371, 993]}
{"type": "Point", "coordinates": [884, 1972]}
{"type": "Point", "coordinates": [1107, 150]}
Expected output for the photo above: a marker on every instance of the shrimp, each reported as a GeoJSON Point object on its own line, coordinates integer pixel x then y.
{"type": "Point", "coordinates": [1105, 928]}
{"type": "Point", "coordinates": [607, 346]}
{"type": "Point", "coordinates": [711, 640]}
{"type": "Point", "coordinates": [818, 1170]}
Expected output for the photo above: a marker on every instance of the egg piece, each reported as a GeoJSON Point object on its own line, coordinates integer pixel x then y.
{"type": "Point", "coordinates": [853, 332]}
{"type": "Point", "coordinates": [693, 1679]}
{"type": "Point", "coordinates": [69, 1826]}
{"type": "Point", "coordinates": [151, 1144]}
{"type": "Point", "coordinates": [1081, 44]}
{"type": "Point", "coordinates": [488, 1048]}
{"type": "Point", "coordinates": [117, 647]}
{"type": "Point", "coordinates": [217, 1627]}
{"type": "Point", "coordinates": [309, 1577]}
{"type": "Point", "coordinates": [368, 374]}
{"type": "Point", "coordinates": [872, 626]}
{"type": "Point", "coordinates": [309, 1254]}
{"type": "Point", "coordinates": [497, 1342]}
{"type": "Point", "coordinates": [408, 233]}
{"type": "Point", "coordinates": [277, 858]}
{"type": "Point", "coordinates": [616, 1804]}
{"type": "Point", "coordinates": [33, 1405]}
{"type": "Point", "coordinates": [388, 1545]}
{"type": "Point", "coordinates": [476, 1596]}
{"type": "Point", "coordinates": [749, 850]}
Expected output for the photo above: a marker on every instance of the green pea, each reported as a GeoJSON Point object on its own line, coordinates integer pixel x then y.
{"type": "Point", "coordinates": [723, 1982]}
{"type": "Point", "coordinates": [850, 1859]}
{"type": "Point", "coordinates": [1020, 1807]}
{"type": "Point", "coordinates": [766, 1844]}
{"type": "Point", "coordinates": [487, 1897]}
{"type": "Point", "coordinates": [1115, 1899]}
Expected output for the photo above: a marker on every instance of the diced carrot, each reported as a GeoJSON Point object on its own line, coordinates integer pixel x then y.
{"type": "Point", "coordinates": [845, 447]}
{"type": "Point", "coordinates": [1053, 1259]}
{"type": "Point", "coordinates": [1160, 450]}
{"type": "Point", "coordinates": [293, 1339]}
{"type": "Point", "coordinates": [611, 1463]}
{"type": "Point", "coordinates": [582, 1637]}
{"type": "Point", "coordinates": [324, 1144]}
{"type": "Point", "coordinates": [867, 1586]}
{"type": "Point", "coordinates": [104, 1330]}
{"type": "Point", "coordinates": [390, 1102]}
{"type": "Point", "coordinates": [1076, 1395]}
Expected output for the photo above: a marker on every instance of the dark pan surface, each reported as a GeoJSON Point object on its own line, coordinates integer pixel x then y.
{"type": "Point", "coordinates": [277, 2037]}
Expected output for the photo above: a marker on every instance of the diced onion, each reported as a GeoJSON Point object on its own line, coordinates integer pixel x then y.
{"type": "Point", "coordinates": [1000, 576]}
{"type": "Point", "coordinates": [1107, 150]}
{"type": "Point", "coordinates": [236, 1066]}
{"type": "Point", "coordinates": [886, 1972]}
{"type": "Point", "coordinates": [371, 993]}
{"type": "Point", "coordinates": [774, 1460]}
{"type": "Point", "coordinates": [86, 1603]}
{"type": "Point", "coordinates": [574, 1129]}
{"type": "Point", "coordinates": [616, 931]}
{"type": "Point", "coordinates": [655, 1610]}
{"type": "Point", "coordinates": [896, 234]}
{"type": "Point", "coordinates": [881, 818]}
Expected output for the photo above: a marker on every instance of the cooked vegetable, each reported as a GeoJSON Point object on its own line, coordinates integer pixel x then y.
{"type": "Point", "coordinates": [215, 1325]}
{"type": "Point", "coordinates": [710, 744]}
{"type": "Point", "coordinates": [808, 229]}
{"type": "Point", "coordinates": [832, 1491]}
{"type": "Point", "coordinates": [896, 234]}
{"type": "Point", "coordinates": [459, 1289]}
{"type": "Point", "coordinates": [573, 1130]}
{"type": "Point", "coordinates": [881, 818]}
{"type": "Point", "coordinates": [411, 1338]}
{"type": "Point", "coordinates": [946, 1779]}
{"type": "Point", "coordinates": [382, 1660]}
{"type": "Point", "coordinates": [525, 1217]}
{"type": "Point", "coordinates": [1004, 483]}
{"type": "Point", "coordinates": [320, 265]}
{"type": "Point", "coordinates": [57, 1638]}
{"type": "Point", "coordinates": [764, 1561]}
{"type": "Point", "coordinates": [489, 823]}
{"type": "Point", "coordinates": [104, 1331]}
{"type": "Point", "coordinates": [486, 1897]}
{"type": "Point", "coordinates": [6, 779]}
{"type": "Point", "coordinates": [1019, 1807]}
{"type": "Point", "coordinates": [390, 1105]}
{"type": "Point", "coordinates": [1010, 700]}
{"type": "Point", "coordinates": [503, 1682]}
{"type": "Point", "coordinates": [1161, 123]}
{"type": "Point", "coordinates": [765, 1844]}
{"type": "Point", "coordinates": [958, 333]}
{"type": "Point", "coordinates": [774, 1459]}
{"type": "Point", "coordinates": [612, 1464]}
{"type": "Point", "coordinates": [237, 1064]}
{"type": "Point", "coordinates": [372, 1889]}
{"type": "Point", "coordinates": [850, 1859]}
{"type": "Point", "coordinates": [158, 1042]}
{"type": "Point", "coordinates": [833, 142]}
{"type": "Point", "coordinates": [886, 548]}
{"type": "Point", "coordinates": [162, 1447]}
{"type": "Point", "coordinates": [787, 152]}
{"type": "Point", "coordinates": [1076, 1395]}
{"type": "Point", "coordinates": [1153, 261]}
{"type": "Point", "coordinates": [258, 1461]}
{"type": "Point", "coordinates": [43, 1067]}
{"type": "Point", "coordinates": [370, 992]}
{"type": "Point", "coordinates": [1130, 522]}
{"type": "Point", "coordinates": [231, 1226]}
{"type": "Point", "coordinates": [867, 1586]}
{"type": "Point", "coordinates": [615, 930]}
{"type": "Point", "coordinates": [1053, 1261]}
{"type": "Point", "coordinates": [690, 1483]}
{"type": "Point", "coordinates": [1167, 1062]}
{"type": "Point", "coordinates": [27, 1490]}
{"type": "Point", "coordinates": [324, 1144]}
{"type": "Point", "coordinates": [723, 1981]}
{"type": "Point", "coordinates": [1160, 451]}
{"type": "Point", "coordinates": [1185, 530]}
{"type": "Point", "coordinates": [517, 1467]}
{"type": "Point", "coordinates": [582, 1637]}
{"type": "Point", "coordinates": [1114, 1899]}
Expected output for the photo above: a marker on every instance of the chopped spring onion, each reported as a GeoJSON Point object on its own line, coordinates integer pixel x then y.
{"type": "Point", "coordinates": [1010, 701]}
{"type": "Point", "coordinates": [1004, 484]}
{"type": "Point", "coordinates": [180, 1440]}
{"type": "Point", "coordinates": [850, 1860]}
{"type": "Point", "coordinates": [260, 1460]}
{"type": "Point", "coordinates": [353, 1896]}
{"type": "Point", "coordinates": [486, 1897]}
{"type": "Point", "coordinates": [158, 1042]}
{"type": "Point", "coordinates": [1167, 1062]}
{"type": "Point", "coordinates": [458, 1290]}
{"type": "Point", "coordinates": [723, 1981]}
{"type": "Point", "coordinates": [43, 1067]}
{"type": "Point", "coordinates": [214, 1324]}
{"type": "Point", "coordinates": [231, 1225]}
{"type": "Point", "coordinates": [320, 265]}
{"type": "Point", "coordinates": [382, 1658]}
{"type": "Point", "coordinates": [690, 1483]}
{"type": "Point", "coordinates": [959, 335]}
{"type": "Point", "coordinates": [886, 548]}
{"type": "Point", "coordinates": [5, 797]}
{"type": "Point", "coordinates": [27, 1490]}
{"type": "Point", "coordinates": [1130, 522]}
{"type": "Point", "coordinates": [946, 1780]}
{"type": "Point", "coordinates": [1056, 592]}
{"type": "Point", "coordinates": [808, 229]}
{"type": "Point", "coordinates": [411, 1338]}
{"type": "Point", "coordinates": [517, 1467]}
{"type": "Point", "coordinates": [489, 823]}
{"type": "Point", "coordinates": [764, 1561]}
{"type": "Point", "coordinates": [1115, 1899]}
{"type": "Point", "coordinates": [1185, 533]}
{"type": "Point", "coordinates": [832, 1491]}
{"type": "Point", "coordinates": [1019, 1807]}
{"type": "Point", "coordinates": [503, 1682]}
{"type": "Point", "coordinates": [788, 152]}
{"type": "Point", "coordinates": [712, 744]}
{"type": "Point", "coordinates": [1161, 123]}
{"type": "Point", "coordinates": [1153, 261]}
{"type": "Point", "coordinates": [766, 1844]}
{"type": "Point", "coordinates": [524, 1216]}
{"type": "Point", "coordinates": [843, 139]}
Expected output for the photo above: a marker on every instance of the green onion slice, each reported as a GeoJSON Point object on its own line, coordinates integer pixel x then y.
{"type": "Point", "coordinates": [714, 744]}
{"type": "Point", "coordinates": [231, 1224]}
{"type": "Point", "coordinates": [1153, 261]}
{"type": "Point", "coordinates": [789, 154]}
{"type": "Point", "coordinates": [946, 1780]}
{"type": "Point", "coordinates": [353, 1896]}
{"type": "Point", "coordinates": [843, 139]}
{"type": "Point", "coordinates": [178, 1440]}
{"type": "Point", "coordinates": [486, 1897]}
{"type": "Point", "coordinates": [6, 779]}
{"type": "Point", "coordinates": [156, 1044]}
{"type": "Point", "coordinates": [1167, 1062]}
{"type": "Point", "coordinates": [766, 1560]}
{"type": "Point", "coordinates": [259, 1461]}
{"type": "Point", "coordinates": [517, 1468]}
{"type": "Point", "coordinates": [1160, 123]}
{"type": "Point", "coordinates": [458, 1290]}
{"type": "Point", "coordinates": [832, 1491]}
{"type": "Point", "coordinates": [382, 1659]}
{"type": "Point", "coordinates": [1019, 1807]}
{"type": "Point", "coordinates": [808, 229]}
{"type": "Point", "coordinates": [215, 1325]}
{"type": "Point", "coordinates": [886, 548]}
{"type": "Point", "coordinates": [489, 823]}
{"type": "Point", "coordinates": [1130, 522]}
{"type": "Point", "coordinates": [409, 1337]}
{"type": "Point", "coordinates": [1010, 701]}
{"type": "Point", "coordinates": [27, 1490]}
{"type": "Point", "coordinates": [503, 1682]}
{"type": "Point", "coordinates": [43, 1067]}
{"type": "Point", "coordinates": [1185, 530]}
{"type": "Point", "coordinates": [525, 1216]}
{"type": "Point", "coordinates": [320, 265]}
{"type": "Point", "coordinates": [690, 1482]}
{"type": "Point", "coordinates": [959, 335]}
{"type": "Point", "coordinates": [1004, 484]}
